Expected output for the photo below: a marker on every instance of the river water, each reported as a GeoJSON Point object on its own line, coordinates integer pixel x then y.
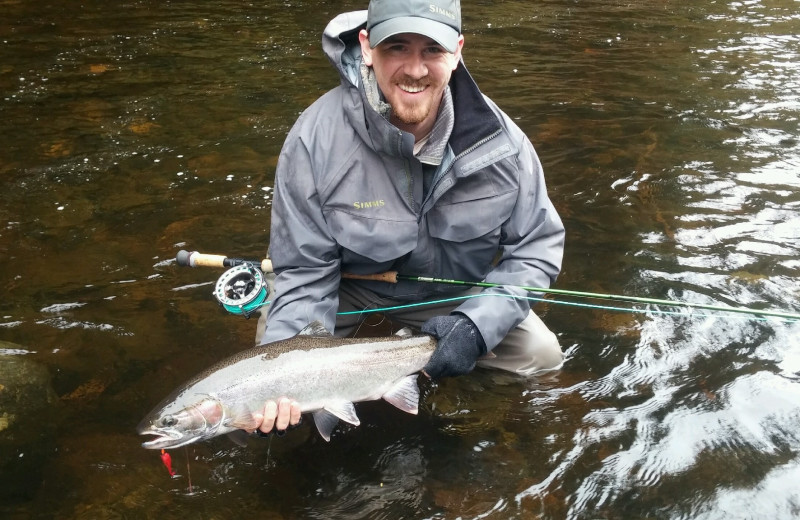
{"type": "Point", "coordinates": [669, 135]}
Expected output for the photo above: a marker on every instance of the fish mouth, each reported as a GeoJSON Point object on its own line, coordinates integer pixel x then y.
{"type": "Point", "coordinates": [166, 439]}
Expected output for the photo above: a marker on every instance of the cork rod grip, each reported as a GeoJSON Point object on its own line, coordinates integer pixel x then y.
{"type": "Point", "coordinates": [196, 259]}
{"type": "Point", "coordinates": [387, 276]}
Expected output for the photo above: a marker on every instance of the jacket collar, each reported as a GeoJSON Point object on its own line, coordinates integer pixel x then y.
{"type": "Point", "coordinates": [475, 121]}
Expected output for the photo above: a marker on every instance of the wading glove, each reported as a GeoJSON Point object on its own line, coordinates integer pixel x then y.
{"type": "Point", "coordinates": [460, 345]}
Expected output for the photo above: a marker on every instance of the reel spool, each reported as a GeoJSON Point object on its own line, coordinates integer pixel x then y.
{"type": "Point", "coordinates": [241, 289]}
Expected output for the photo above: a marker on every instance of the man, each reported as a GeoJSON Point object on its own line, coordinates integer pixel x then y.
{"type": "Point", "coordinates": [406, 166]}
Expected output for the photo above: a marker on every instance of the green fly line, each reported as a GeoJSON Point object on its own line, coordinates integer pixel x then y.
{"type": "Point", "coordinates": [231, 282]}
{"type": "Point", "coordinates": [753, 314]}
{"type": "Point", "coordinates": [572, 304]}
{"type": "Point", "coordinates": [615, 297]}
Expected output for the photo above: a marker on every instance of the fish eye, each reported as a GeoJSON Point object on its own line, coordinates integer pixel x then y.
{"type": "Point", "coordinates": [168, 420]}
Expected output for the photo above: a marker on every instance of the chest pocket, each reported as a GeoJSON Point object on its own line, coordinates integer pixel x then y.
{"type": "Point", "coordinates": [461, 219]}
{"type": "Point", "coordinates": [380, 240]}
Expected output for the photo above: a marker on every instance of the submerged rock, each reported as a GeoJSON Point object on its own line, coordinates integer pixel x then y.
{"type": "Point", "coordinates": [27, 405]}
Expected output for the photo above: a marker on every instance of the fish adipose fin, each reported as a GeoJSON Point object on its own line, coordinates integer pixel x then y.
{"type": "Point", "coordinates": [404, 394]}
{"type": "Point", "coordinates": [315, 328]}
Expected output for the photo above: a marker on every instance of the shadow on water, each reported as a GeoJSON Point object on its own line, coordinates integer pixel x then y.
{"type": "Point", "coordinates": [669, 136]}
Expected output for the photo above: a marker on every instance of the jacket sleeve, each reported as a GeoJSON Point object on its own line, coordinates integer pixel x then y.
{"type": "Point", "coordinates": [532, 245]}
{"type": "Point", "coordinates": [304, 255]}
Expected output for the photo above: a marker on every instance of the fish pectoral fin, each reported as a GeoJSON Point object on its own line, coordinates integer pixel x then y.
{"type": "Point", "coordinates": [241, 418]}
{"type": "Point", "coordinates": [325, 422]}
{"type": "Point", "coordinates": [404, 394]}
{"type": "Point", "coordinates": [239, 437]}
{"type": "Point", "coordinates": [344, 410]}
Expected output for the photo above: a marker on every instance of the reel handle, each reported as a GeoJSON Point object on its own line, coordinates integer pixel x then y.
{"type": "Point", "coordinates": [196, 259]}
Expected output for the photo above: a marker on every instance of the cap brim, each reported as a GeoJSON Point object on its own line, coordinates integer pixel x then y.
{"type": "Point", "coordinates": [443, 34]}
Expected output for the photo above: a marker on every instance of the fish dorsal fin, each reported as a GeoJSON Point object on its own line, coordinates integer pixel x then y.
{"type": "Point", "coordinates": [405, 332]}
{"type": "Point", "coordinates": [315, 328]}
{"type": "Point", "coordinates": [325, 422]}
{"type": "Point", "coordinates": [404, 394]}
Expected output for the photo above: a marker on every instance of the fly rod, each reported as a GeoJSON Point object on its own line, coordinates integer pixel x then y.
{"type": "Point", "coordinates": [194, 259]}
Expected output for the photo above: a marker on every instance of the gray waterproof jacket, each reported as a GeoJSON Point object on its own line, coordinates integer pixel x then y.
{"type": "Point", "coordinates": [349, 198]}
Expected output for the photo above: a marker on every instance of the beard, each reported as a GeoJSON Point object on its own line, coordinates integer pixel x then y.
{"type": "Point", "coordinates": [412, 113]}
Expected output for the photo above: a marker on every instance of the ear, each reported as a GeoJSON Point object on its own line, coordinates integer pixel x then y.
{"type": "Point", "coordinates": [366, 50]}
{"type": "Point", "coordinates": [457, 53]}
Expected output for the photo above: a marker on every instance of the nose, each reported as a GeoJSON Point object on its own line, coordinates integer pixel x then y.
{"type": "Point", "coordinates": [415, 66]}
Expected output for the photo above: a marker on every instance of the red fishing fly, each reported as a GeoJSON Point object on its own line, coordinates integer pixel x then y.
{"type": "Point", "coordinates": [167, 460]}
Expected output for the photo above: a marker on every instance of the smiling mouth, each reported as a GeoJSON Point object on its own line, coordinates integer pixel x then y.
{"type": "Point", "coordinates": [411, 89]}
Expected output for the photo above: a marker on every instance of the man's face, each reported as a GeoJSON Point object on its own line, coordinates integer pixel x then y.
{"type": "Point", "coordinates": [412, 72]}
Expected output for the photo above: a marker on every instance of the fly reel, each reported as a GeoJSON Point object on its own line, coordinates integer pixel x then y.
{"type": "Point", "coordinates": [241, 289]}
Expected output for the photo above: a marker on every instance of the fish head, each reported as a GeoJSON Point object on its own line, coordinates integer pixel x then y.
{"type": "Point", "coordinates": [176, 425]}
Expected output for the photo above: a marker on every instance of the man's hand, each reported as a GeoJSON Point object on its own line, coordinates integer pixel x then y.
{"type": "Point", "coordinates": [280, 416]}
{"type": "Point", "coordinates": [460, 346]}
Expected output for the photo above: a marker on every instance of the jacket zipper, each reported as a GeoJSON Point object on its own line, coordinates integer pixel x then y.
{"type": "Point", "coordinates": [479, 143]}
{"type": "Point", "coordinates": [450, 167]}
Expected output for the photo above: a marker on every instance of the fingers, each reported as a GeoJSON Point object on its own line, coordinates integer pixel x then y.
{"type": "Point", "coordinates": [258, 418]}
{"type": "Point", "coordinates": [270, 414]}
{"type": "Point", "coordinates": [284, 414]}
{"type": "Point", "coordinates": [294, 413]}
{"type": "Point", "coordinates": [280, 415]}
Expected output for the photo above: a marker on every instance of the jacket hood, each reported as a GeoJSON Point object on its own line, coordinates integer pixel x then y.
{"type": "Point", "coordinates": [340, 44]}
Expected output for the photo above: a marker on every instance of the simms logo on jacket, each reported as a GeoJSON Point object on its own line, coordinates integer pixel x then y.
{"type": "Point", "coordinates": [369, 204]}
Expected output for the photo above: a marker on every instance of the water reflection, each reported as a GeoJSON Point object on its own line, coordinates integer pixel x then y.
{"type": "Point", "coordinates": [679, 423]}
{"type": "Point", "coordinates": [669, 136]}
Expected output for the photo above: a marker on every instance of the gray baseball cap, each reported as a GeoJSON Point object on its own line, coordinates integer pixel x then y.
{"type": "Point", "coordinates": [439, 20]}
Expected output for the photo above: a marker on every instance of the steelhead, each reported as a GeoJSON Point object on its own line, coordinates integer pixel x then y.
{"type": "Point", "coordinates": [323, 373]}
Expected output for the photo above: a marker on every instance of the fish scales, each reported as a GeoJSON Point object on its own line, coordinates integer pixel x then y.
{"type": "Point", "coordinates": [324, 374]}
{"type": "Point", "coordinates": [317, 372]}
